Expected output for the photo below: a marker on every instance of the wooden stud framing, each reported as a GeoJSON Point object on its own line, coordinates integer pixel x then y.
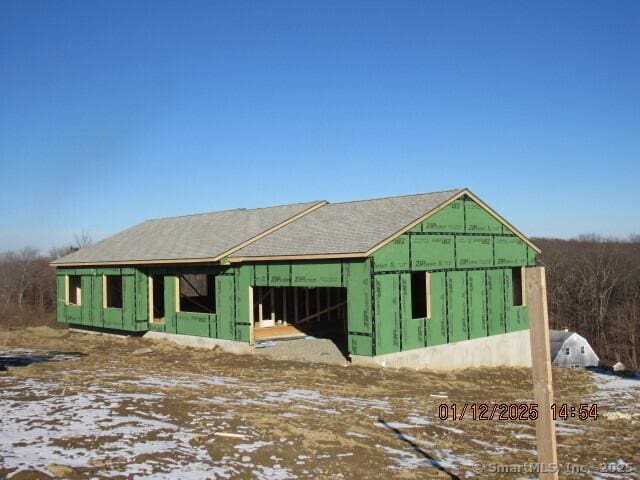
{"type": "Point", "coordinates": [427, 279]}
{"type": "Point", "coordinates": [321, 312]}
{"type": "Point", "coordinates": [150, 290]}
{"type": "Point", "coordinates": [285, 291]}
{"type": "Point", "coordinates": [252, 339]}
{"type": "Point", "coordinates": [272, 299]}
{"type": "Point", "coordinates": [104, 291]}
{"type": "Point", "coordinates": [176, 292]}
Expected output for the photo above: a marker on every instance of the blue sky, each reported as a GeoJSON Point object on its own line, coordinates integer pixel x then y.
{"type": "Point", "coordinates": [115, 112]}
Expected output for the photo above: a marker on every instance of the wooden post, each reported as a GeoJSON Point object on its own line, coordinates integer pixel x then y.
{"type": "Point", "coordinates": [260, 308]}
{"type": "Point", "coordinates": [536, 287]}
{"type": "Point", "coordinates": [251, 319]}
{"type": "Point", "coordinates": [150, 291]}
{"type": "Point", "coordinates": [306, 302]}
{"type": "Point", "coordinates": [284, 305]}
{"type": "Point", "coordinates": [272, 295]}
{"type": "Point", "coordinates": [296, 293]}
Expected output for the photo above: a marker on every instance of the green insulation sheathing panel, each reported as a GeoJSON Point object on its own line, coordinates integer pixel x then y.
{"type": "Point", "coordinates": [97, 311]}
{"type": "Point", "coordinates": [387, 314]}
{"type": "Point", "coordinates": [360, 345]}
{"type": "Point", "coordinates": [412, 329]}
{"type": "Point", "coordinates": [394, 256]}
{"type": "Point", "coordinates": [510, 251]}
{"type": "Point", "coordinates": [90, 312]}
{"type": "Point", "coordinates": [477, 303]}
{"type": "Point", "coordinates": [142, 297]}
{"type": "Point", "coordinates": [298, 274]}
{"type": "Point", "coordinates": [478, 220]}
{"type": "Point", "coordinates": [436, 325]}
{"type": "Point", "coordinates": [316, 274]}
{"type": "Point", "coordinates": [243, 283]}
{"type": "Point", "coordinates": [170, 307]}
{"type": "Point", "coordinates": [74, 314]}
{"type": "Point", "coordinates": [87, 295]}
{"type": "Point", "coordinates": [457, 306]}
{"type": "Point", "coordinates": [225, 307]}
{"type": "Point", "coordinates": [449, 219]}
{"type": "Point", "coordinates": [261, 275]}
{"type": "Point", "coordinates": [474, 251]}
{"type": "Point", "coordinates": [516, 316]}
{"type": "Point", "coordinates": [358, 281]}
{"type": "Point", "coordinates": [496, 300]}
{"type": "Point", "coordinates": [432, 252]}
{"type": "Point", "coordinates": [197, 324]}
{"type": "Point", "coordinates": [279, 275]}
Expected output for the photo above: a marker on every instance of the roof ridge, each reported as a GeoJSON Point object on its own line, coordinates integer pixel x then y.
{"type": "Point", "coordinates": [232, 210]}
{"type": "Point", "coordinates": [398, 196]}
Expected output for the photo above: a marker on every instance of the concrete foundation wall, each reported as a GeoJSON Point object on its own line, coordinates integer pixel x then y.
{"type": "Point", "coordinates": [510, 349]}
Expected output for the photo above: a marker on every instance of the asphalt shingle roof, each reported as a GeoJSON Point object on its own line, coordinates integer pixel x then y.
{"type": "Point", "coordinates": [317, 228]}
{"type": "Point", "coordinates": [204, 236]}
{"type": "Point", "coordinates": [344, 228]}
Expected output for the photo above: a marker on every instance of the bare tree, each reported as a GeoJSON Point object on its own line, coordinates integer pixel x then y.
{"type": "Point", "coordinates": [594, 285]}
{"type": "Point", "coordinates": [82, 239]}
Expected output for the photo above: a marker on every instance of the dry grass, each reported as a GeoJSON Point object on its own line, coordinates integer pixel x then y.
{"type": "Point", "coordinates": [108, 412]}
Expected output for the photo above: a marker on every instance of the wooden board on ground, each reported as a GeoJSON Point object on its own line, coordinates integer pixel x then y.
{"type": "Point", "coordinates": [279, 331]}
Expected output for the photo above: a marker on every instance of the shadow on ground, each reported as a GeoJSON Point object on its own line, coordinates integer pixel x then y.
{"type": "Point", "coordinates": [24, 359]}
{"type": "Point", "coordinates": [418, 449]}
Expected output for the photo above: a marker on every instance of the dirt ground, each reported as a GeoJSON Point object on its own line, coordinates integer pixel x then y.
{"type": "Point", "coordinates": [74, 405]}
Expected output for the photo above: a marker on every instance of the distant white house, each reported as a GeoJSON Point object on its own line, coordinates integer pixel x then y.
{"type": "Point", "coordinates": [568, 349]}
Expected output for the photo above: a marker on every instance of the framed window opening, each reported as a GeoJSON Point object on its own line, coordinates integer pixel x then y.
{"type": "Point", "coordinates": [156, 298]}
{"type": "Point", "coordinates": [517, 287]}
{"type": "Point", "coordinates": [196, 293]}
{"type": "Point", "coordinates": [420, 295]}
{"type": "Point", "coordinates": [73, 290]}
{"type": "Point", "coordinates": [112, 291]}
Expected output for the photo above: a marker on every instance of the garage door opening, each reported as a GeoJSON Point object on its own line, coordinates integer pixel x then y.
{"type": "Point", "coordinates": [289, 312]}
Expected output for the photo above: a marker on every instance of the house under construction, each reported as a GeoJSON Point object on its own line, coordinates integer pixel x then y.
{"type": "Point", "coordinates": [378, 277]}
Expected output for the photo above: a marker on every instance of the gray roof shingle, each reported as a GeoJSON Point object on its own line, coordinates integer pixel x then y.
{"type": "Point", "coordinates": [345, 228]}
{"type": "Point", "coordinates": [201, 236]}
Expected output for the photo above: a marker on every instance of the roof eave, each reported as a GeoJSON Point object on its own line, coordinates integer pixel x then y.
{"type": "Point", "coordinates": [217, 259]}
{"type": "Point", "coordinates": [131, 263]}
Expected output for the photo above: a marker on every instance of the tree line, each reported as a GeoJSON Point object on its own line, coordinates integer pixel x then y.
{"type": "Point", "coordinates": [593, 288]}
{"type": "Point", "coordinates": [28, 283]}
